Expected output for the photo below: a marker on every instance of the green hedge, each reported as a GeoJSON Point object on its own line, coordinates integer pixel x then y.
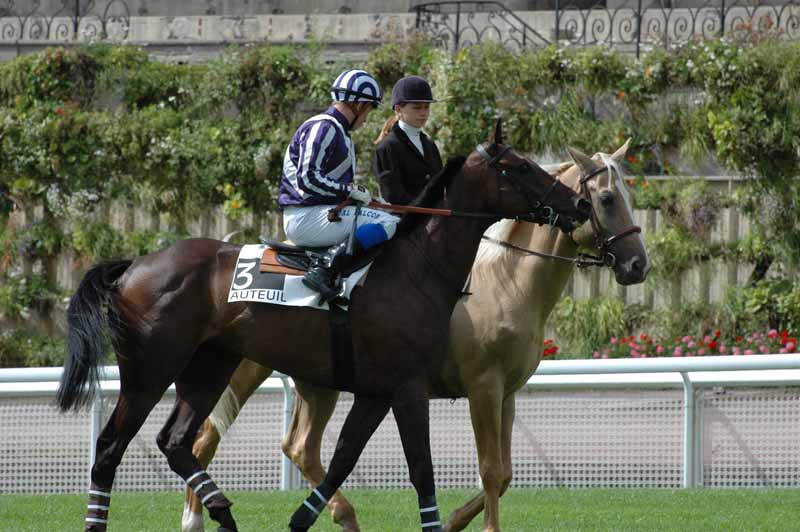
{"type": "Point", "coordinates": [83, 126]}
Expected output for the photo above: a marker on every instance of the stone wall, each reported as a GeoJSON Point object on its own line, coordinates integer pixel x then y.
{"type": "Point", "coordinates": [196, 38]}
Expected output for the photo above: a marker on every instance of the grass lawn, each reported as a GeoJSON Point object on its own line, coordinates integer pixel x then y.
{"type": "Point", "coordinates": [590, 510]}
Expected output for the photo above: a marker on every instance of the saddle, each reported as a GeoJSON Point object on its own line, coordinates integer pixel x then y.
{"type": "Point", "coordinates": [282, 257]}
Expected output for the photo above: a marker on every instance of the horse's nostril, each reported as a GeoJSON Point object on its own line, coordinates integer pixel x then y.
{"type": "Point", "coordinates": [584, 207]}
{"type": "Point", "coordinates": [637, 265]}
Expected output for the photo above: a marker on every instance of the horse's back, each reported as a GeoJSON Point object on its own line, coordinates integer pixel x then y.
{"type": "Point", "coordinates": [192, 265]}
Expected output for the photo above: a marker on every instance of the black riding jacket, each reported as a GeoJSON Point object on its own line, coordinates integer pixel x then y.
{"type": "Point", "coordinates": [401, 169]}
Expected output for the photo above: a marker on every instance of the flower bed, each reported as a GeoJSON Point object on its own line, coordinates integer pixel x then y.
{"type": "Point", "coordinates": [645, 346]}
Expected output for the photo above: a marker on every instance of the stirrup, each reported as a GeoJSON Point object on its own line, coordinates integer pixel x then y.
{"type": "Point", "coordinates": [327, 288]}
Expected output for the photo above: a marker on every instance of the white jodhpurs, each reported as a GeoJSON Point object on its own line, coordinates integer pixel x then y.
{"type": "Point", "coordinates": [309, 226]}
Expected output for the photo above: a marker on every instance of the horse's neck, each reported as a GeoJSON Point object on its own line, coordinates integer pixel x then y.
{"type": "Point", "coordinates": [528, 286]}
{"type": "Point", "coordinates": [544, 279]}
{"type": "Point", "coordinates": [448, 245]}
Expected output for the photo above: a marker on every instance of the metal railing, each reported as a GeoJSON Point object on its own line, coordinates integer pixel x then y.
{"type": "Point", "coordinates": [629, 24]}
{"type": "Point", "coordinates": [64, 20]}
{"type": "Point", "coordinates": [472, 21]}
{"type": "Point", "coordinates": [690, 374]}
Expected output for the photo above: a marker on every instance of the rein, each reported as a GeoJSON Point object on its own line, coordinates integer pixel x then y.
{"type": "Point", "coordinates": [583, 260]}
{"type": "Point", "coordinates": [540, 213]}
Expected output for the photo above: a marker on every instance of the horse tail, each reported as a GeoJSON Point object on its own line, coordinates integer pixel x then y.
{"type": "Point", "coordinates": [92, 316]}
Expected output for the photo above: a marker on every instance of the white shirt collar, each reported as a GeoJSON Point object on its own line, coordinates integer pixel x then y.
{"type": "Point", "coordinates": [410, 130]}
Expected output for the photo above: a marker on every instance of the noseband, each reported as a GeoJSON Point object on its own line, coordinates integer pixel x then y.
{"type": "Point", "coordinates": [603, 244]}
{"type": "Point", "coordinates": [539, 211]}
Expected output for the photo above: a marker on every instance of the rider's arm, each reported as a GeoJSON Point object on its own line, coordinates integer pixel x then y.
{"type": "Point", "coordinates": [314, 175]}
{"type": "Point", "coordinates": [387, 170]}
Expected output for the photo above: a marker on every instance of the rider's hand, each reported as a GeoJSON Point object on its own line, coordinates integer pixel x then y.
{"type": "Point", "coordinates": [360, 193]}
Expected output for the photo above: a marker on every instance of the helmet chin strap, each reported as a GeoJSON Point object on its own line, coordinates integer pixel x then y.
{"type": "Point", "coordinates": [364, 108]}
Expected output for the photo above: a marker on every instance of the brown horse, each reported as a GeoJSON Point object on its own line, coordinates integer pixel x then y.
{"type": "Point", "coordinates": [170, 321]}
{"type": "Point", "coordinates": [494, 348]}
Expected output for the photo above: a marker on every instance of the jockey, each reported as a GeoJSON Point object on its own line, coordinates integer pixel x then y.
{"type": "Point", "coordinates": [318, 172]}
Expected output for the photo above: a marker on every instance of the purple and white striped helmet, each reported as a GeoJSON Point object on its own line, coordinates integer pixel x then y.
{"type": "Point", "coordinates": [356, 86]}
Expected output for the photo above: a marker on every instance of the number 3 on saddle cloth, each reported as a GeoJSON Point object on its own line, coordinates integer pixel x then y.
{"type": "Point", "coordinates": [272, 272]}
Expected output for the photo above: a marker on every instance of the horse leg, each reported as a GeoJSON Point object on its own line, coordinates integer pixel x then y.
{"type": "Point", "coordinates": [362, 420]}
{"type": "Point", "coordinates": [244, 382]}
{"type": "Point", "coordinates": [313, 409]}
{"type": "Point", "coordinates": [137, 398]}
{"type": "Point", "coordinates": [198, 387]}
{"type": "Point", "coordinates": [509, 411]}
{"type": "Point", "coordinates": [485, 405]}
{"type": "Point", "coordinates": [411, 411]}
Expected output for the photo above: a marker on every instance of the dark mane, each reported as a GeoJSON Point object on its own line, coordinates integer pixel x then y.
{"type": "Point", "coordinates": [432, 194]}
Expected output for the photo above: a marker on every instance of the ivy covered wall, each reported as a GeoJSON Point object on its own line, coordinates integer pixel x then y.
{"type": "Point", "coordinates": [94, 138]}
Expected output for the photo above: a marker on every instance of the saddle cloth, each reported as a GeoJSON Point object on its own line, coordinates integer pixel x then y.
{"type": "Point", "coordinates": [259, 277]}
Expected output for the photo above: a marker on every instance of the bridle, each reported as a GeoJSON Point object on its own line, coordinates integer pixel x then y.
{"type": "Point", "coordinates": [603, 245]}
{"type": "Point", "coordinates": [538, 210]}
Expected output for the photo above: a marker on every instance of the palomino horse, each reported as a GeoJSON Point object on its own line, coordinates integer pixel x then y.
{"type": "Point", "coordinates": [170, 322]}
{"type": "Point", "coordinates": [496, 339]}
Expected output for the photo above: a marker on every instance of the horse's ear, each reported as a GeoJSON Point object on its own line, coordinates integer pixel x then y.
{"type": "Point", "coordinates": [583, 161]}
{"type": "Point", "coordinates": [619, 155]}
{"type": "Point", "coordinates": [497, 136]}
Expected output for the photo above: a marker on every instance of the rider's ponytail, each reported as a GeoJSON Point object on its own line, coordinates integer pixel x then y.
{"type": "Point", "coordinates": [387, 128]}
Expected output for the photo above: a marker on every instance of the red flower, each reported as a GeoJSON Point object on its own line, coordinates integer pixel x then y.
{"type": "Point", "coordinates": [712, 345]}
{"type": "Point", "coordinates": [550, 351]}
{"type": "Point", "coordinates": [739, 338]}
{"type": "Point", "coordinates": [548, 342]}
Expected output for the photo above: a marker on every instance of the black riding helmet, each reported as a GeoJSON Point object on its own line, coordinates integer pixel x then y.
{"type": "Point", "coordinates": [411, 89]}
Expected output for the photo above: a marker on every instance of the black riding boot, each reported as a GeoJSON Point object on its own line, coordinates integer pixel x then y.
{"type": "Point", "coordinates": [324, 272]}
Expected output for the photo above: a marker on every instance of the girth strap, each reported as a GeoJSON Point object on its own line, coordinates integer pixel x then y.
{"type": "Point", "coordinates": [341, 348]}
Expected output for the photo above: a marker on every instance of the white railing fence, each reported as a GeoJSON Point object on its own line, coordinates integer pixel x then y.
{"type": "Point", "coordinates": [715, 421]}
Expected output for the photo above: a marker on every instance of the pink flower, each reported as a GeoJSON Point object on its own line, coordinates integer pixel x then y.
{"type": "Point", "coordinates": [596, 354]}
{"type": "Point", "coordinates": [723, 349]}
{"type": "Point", "coordinates": [790, 347]}
{"type": "Point", "coordinates": [613, 339]}
{"type": "Point", "coordinates": [772, 333]}
{"type": "Point", "coordinates": [756, 336]}
{"type": "Point", "coordinates": [691, 345]}
{"type": "Point", "coordinates": [659, 350]}
{"type": "Point", "coordinates": [686, 339]}
{"type": "Point", "coordinates": [764, 349]}
{"type": "Point", "coordinates": [748, 352]}
{"type": "Point", "coordinates": [707, 339]}
{"type": "Point", "coordinates": [634, 353]}
{"type": "Point", "coordinates": [678, 352]}
{"type": "Point", "coordinates": [782, 351]}
{"type": "Point", "coordinates": [689, 353]}
{"type": "Point", "coordinates": [701, 351]}
{"type": "Point", "coordinates": [604, 355]}
{"type": "Point", "coordinates": [736, 350]}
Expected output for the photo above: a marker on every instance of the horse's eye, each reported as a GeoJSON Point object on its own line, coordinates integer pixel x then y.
{"type": "Point", "coordinates": [606, 199]}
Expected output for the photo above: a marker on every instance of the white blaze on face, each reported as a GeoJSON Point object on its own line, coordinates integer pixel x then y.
{"type": "Point", "coordinates": [615, 174]}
